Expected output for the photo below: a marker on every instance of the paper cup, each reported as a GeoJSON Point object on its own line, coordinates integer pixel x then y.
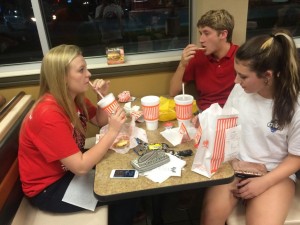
{"type": "Point", "coordinates": [151, 125]}
{"type": "Point", "coordinates": [184, 109]}
{"type": "Point", "coordinates": [109, 103]}
{"type": "Point", "coordinates": [150, 107]}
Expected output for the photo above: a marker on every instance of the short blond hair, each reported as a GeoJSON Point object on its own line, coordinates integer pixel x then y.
{"type": "Point", "coordinates": [218, 20]}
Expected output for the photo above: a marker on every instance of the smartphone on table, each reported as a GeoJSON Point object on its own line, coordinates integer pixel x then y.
{"type": "Point", "coordinates": [121, 173]}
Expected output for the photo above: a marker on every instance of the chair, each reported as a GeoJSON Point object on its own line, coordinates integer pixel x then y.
{"type": "Point", "coordinates": [29, 215]}
{"type": "Point", "coordinates": [237, 217]}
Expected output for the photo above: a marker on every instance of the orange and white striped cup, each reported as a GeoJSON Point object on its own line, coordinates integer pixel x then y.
{"type": "Point", "coordinates": [184, 109]}
{"type": "Point", "coordinates": [109, 103]}
{"type": "Point", "coordinates": [150, 107]}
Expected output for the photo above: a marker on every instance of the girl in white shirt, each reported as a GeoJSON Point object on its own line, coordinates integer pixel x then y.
{"type": "Point", "coordinates": [266, 95]}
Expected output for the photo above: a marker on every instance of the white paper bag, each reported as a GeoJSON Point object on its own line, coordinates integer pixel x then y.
{"type": "Point", "coordinates": [214, 122]}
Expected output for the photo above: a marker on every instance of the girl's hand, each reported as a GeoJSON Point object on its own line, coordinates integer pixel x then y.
{"type": "Point", "coordinates": [101, 86]}
{"type": "Point", "coordinates": [250, 187]}
{"type": "Point", "coordinates": [116, 120]}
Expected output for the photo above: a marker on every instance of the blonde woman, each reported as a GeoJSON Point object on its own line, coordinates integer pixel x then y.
{"type": "Point", "coordinates": [53, 134]}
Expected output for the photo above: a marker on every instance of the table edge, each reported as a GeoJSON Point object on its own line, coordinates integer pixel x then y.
{"type": "Point", "coordinates": [163, 190]}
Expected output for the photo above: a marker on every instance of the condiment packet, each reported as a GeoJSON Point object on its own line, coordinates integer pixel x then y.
{"type": "Point", "coordinates": [168, 125]}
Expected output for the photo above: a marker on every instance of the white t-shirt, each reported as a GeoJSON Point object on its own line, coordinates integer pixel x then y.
{"type": "Point", "coordinates": [259, 143]}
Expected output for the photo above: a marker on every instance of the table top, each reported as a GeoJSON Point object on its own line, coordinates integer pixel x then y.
{"type": "Point", "coordinates": [107, 189]}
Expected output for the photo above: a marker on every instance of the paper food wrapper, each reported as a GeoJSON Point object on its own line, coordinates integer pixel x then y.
{"type": "Point", "coordinates": [133, 111]}
{"type": "Point", "coordinates": [179, 135]}
{"type": "Point", "coordinates": [124, 96]}
{"type": "Point", "coordinates": [126, 138]}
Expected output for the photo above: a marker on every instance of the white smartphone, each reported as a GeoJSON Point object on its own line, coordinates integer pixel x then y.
{"type": "Point", "coordinates": [119, 173]}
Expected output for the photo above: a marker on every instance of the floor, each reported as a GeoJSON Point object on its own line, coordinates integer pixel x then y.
{"type": "Point", "coordinates": [173, 212]}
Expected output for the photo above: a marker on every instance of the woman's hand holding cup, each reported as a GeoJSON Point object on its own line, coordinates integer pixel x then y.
{"type": "Point", "coordinates": [116, 120]}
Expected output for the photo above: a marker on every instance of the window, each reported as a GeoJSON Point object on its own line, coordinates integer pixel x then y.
{"type": "Point", "coordinates": [19, 40]}
{"type": "Point", "coordinates": [147, 26]}
{"type": "Point", "coordinates": [265, 15]}
{"type": "Point", "coordinates": [139, 26]}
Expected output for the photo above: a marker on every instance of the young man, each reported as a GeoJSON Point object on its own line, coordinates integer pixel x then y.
{"type": "Point", "coordinates": [210, 66]}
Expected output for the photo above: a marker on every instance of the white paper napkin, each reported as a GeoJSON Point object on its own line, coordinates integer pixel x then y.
{"type": "Point", "coordinates": [175, 137]}
{"type": "Point", "coordinates": [80, 192]}
{"type": "Point", "coordinates": [162, 173]}
{"type": "Point", "coordinates": [128, 109]}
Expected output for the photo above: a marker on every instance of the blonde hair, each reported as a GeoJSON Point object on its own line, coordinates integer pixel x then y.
{"type": "Point", "coordinates": [54, 71]}
{"type": "Point", "coordinates": [218, 20]}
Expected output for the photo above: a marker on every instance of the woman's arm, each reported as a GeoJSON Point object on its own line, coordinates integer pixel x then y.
{"type": "Point", "coordinates": [100, 119]}
{"type": "Point", "coordinates": [289, 166]}
{"type": "Point", "coordinates": [80, 163]}
{"type": "Point", "coordinates": [252, 187]}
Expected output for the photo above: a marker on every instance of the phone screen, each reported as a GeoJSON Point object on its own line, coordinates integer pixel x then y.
{"type": "Point", "coordinates": [124, 173]}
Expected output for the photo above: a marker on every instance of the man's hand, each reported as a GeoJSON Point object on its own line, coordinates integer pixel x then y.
{"type": "Point", "coordinates": [187, 54]}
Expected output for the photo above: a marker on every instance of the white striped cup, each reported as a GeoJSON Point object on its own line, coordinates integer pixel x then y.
{"type": "Point", "coordinates": [109, 103]}
{"type": "Point", "coordinates": [150, 107]}
{"type": "Point", "coordinates": [184, 109]}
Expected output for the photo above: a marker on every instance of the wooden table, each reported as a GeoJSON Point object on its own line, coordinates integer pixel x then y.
{"type": "Point", "coordinates": [108, 190]}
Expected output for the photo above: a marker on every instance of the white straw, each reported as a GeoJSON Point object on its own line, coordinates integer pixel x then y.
{"type": "Point", "coordinates": [183, 90]}
{"type": "Point", "coordinates": [96, 90]}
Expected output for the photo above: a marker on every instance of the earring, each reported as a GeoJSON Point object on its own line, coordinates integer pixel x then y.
{"type": "Point", "coordinates": [266, 81]}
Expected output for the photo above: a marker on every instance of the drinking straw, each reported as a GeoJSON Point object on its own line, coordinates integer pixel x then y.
{"type": "Point", "coordinates": [96, 90]}
{"type": "Point", "coordinates": [183, 93]}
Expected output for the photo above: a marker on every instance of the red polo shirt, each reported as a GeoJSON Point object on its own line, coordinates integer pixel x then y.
{"type": "Point", "coordinates": [213, 78]}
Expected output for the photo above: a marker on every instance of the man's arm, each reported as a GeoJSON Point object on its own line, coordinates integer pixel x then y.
{"type": "Point", "coordinates": [176, 81]}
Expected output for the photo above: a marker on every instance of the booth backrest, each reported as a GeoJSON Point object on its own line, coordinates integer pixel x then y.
{"type": "Point", "coordinates": [11, 195]}
{"type": "Point", "coordinates": [11, 117]}
{"type": "Point", "coordinates": [6, 109]}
